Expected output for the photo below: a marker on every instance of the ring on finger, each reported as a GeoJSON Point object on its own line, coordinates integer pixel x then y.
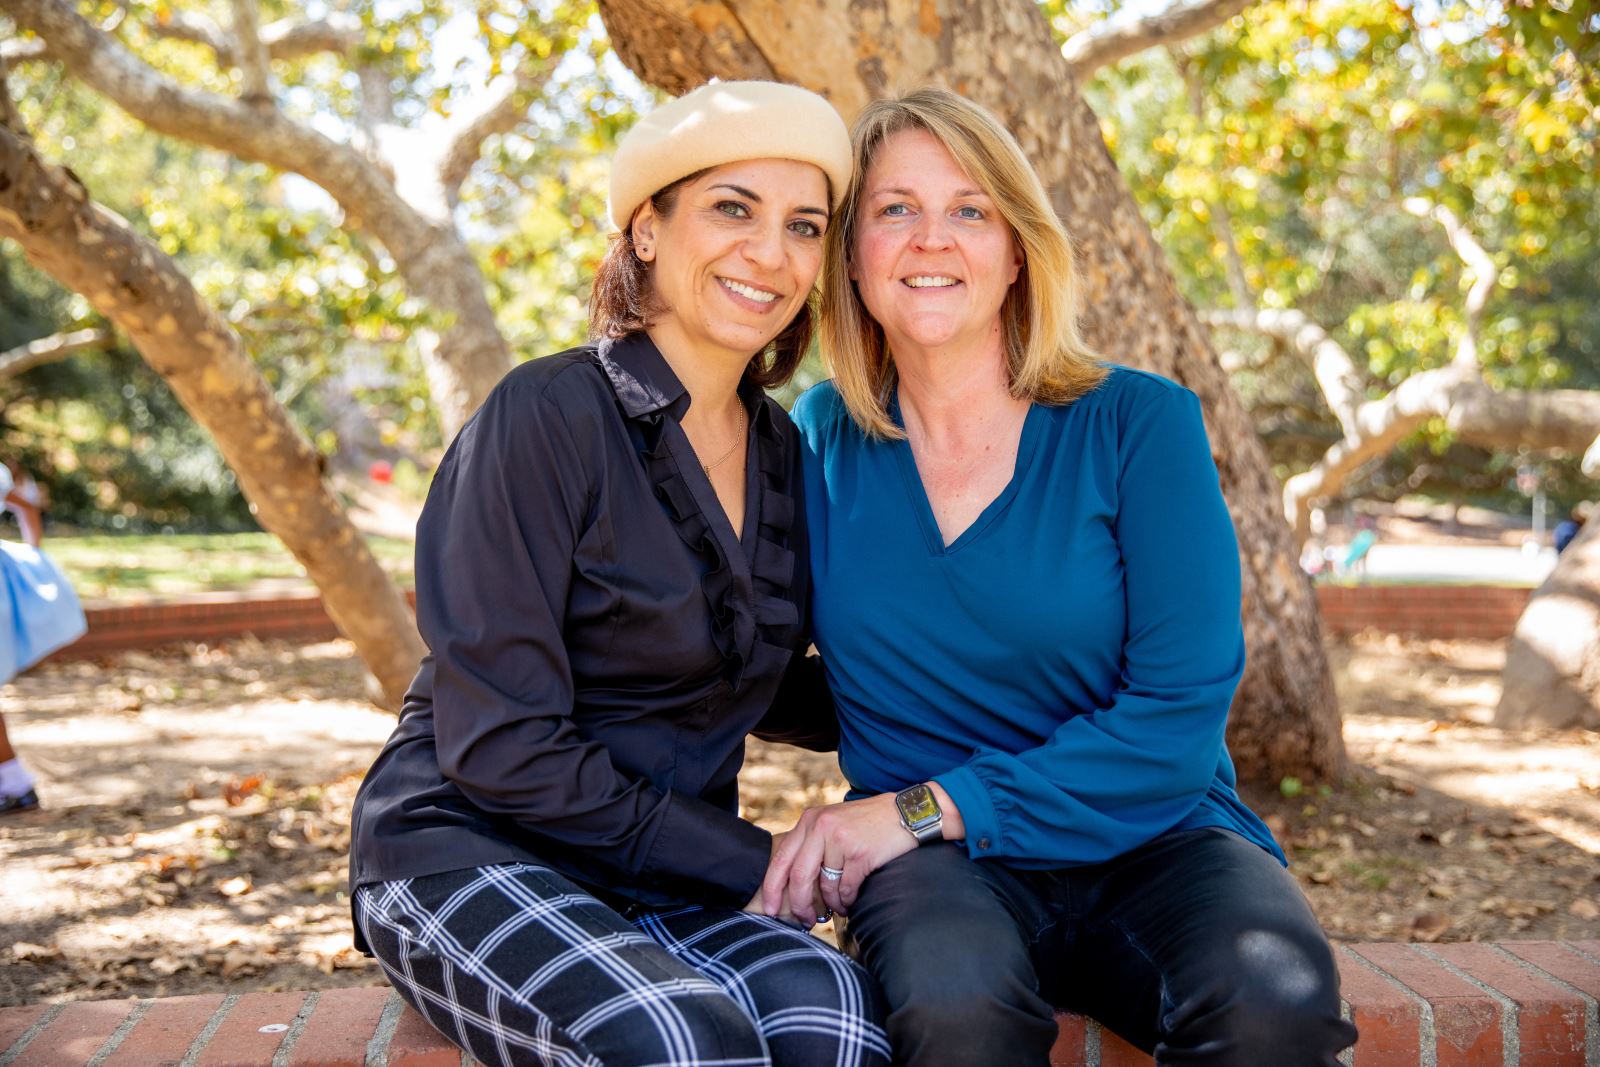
{"type": "Point", "coordinates": [832, 874]}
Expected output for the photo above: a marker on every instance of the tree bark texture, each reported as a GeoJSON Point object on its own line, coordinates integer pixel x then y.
{"type": "Point", "coordinates": [1552, 674]}
{"type": "Point", "coordinates": [999, 53]}
{"type": "Point", "coordinates": [130, 281]}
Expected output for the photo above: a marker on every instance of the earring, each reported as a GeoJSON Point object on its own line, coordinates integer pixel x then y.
{"type": "Point", "coordinates": [642, 251]}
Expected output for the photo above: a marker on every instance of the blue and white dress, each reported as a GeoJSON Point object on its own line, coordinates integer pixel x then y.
{"type": "Point", "coordinates": [39, 612]}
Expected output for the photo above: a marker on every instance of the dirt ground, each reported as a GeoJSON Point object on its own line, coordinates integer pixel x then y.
{"type": "Point", "coordinates": [197, 816]}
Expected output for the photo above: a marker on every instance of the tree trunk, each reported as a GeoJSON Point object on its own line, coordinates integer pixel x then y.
{"type": "Point", "coordinates": [130, 281]}
{"type": "Point", "coordinates": [999, 53]}
{"type": "Point", "coordinates": [1552, 675]}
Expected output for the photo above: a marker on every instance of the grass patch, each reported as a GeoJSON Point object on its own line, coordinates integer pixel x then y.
{"type": "Point", "coordinates": [110, 566]}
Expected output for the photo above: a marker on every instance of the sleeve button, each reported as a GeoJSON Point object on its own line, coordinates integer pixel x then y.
{"type": "Point", "coordinates": [983, 844]}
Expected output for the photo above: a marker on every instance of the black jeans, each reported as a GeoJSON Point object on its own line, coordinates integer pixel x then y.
{"type": "Point", "coordinates": [1197, 947]}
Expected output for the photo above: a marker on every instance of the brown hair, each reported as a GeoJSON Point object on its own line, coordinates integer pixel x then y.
{"type": "Point", "coordinates": [622, 301]}
{"type": "Point", "coordinates": [1047, 360]}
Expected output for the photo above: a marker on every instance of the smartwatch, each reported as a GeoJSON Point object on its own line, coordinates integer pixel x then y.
{"type": "Point", "coordinates": [920, 814]}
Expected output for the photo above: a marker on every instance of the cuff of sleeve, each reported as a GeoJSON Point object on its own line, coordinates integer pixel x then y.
{"type": "Point", "coordinates": [972, 799]}
{"type": "Point", "coordinates": [725, 856]}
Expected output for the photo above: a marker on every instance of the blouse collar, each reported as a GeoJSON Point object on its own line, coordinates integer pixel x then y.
{"type": "Point", "coordinates": [645, 383]}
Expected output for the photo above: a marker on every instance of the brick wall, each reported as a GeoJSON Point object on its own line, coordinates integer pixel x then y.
{"type": "Point", "coordinates": [1517, 1004]}
{"type": "Point", "coordinates": [209, 619]}
{"type": "Point", "coordinates": [1478, 611]}
{"type": "Point", "coordinates": [1485, 612]}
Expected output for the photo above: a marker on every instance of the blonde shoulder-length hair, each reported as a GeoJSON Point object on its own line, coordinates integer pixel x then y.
{"type": "Point", "coordinates": [1047, 361]}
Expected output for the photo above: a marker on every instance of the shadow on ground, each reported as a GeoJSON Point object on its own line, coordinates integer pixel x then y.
{"type": "Point", "coordinates": [197, 816]}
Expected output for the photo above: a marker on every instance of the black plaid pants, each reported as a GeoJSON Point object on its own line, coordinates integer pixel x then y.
{"type": "Point", "coordinates": [518, 965]}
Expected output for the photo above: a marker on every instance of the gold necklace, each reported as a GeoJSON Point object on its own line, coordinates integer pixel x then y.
{"type": "Point", "coordinates": [737, 441]}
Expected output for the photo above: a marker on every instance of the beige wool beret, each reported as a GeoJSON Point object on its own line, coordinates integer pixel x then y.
{"type": "Point", "coordinates": [725, 122]}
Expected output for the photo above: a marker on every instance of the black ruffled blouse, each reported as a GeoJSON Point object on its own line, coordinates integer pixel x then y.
{"type": "Point", "coordinates": [600, 642]}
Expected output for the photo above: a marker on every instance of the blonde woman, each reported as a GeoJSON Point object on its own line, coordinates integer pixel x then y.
{"type": "Point", "coordinates": [1026, 594]}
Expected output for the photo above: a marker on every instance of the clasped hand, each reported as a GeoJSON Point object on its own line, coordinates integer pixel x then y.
{"type": "Point", "coordinates": [856, 837]}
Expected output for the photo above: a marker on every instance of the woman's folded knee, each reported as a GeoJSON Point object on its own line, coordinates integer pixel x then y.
{"type": "Point", "coordinates": [1276, 1000]}
{"type": "Point", "coordinates": [968, 1027]}
{"type": "Point", "coordinates": [694, 1029]}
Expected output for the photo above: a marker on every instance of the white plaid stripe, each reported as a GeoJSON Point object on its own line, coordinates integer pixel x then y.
{"type": "Point", "coordinates": [839, 1011]}
{"type": "Point", "coordinates": [518, 965]}
{"type": "Point", "coordinates": [443, 1007]}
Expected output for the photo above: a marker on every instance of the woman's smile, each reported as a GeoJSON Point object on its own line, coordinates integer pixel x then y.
{"type": "Point", "coordinates": [759, 299]}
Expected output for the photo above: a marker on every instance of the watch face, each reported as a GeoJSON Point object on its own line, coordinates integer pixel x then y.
{"type": "Point", "coordinates": [917, 805]}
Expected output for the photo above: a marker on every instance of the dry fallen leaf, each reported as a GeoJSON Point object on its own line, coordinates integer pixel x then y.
{"type": "Point", "coordinates": [236, 790]}
{"type": "Point", "coordinates": [240, 960]}
{"type": "Point", "coordinates": [1429, 925]}
{"type": "Point", "coordinates": [234, 887]}
{"type": "Point", "coordinates": [1584, 909]}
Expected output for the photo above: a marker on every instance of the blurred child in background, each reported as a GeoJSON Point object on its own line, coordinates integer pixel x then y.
{"type": "Point", "coordinates": [39, 613]}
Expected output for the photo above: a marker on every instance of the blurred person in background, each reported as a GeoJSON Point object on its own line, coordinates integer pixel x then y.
{"type": "Point", "coordinates": [39, 613]}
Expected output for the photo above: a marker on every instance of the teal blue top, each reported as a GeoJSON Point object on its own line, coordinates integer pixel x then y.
{"type": "Point", "coordinates": [1064, 667]}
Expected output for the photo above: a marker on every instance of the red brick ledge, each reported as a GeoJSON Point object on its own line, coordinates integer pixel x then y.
{"type": "Point", "coordinates": [1514, 1004]}
{"type": "Point", "coordinates": [210, 619]}
{"type": "Point", "coordinates": [1476, 612]}
{"type": "Point", "coordinates": [1481, 612]}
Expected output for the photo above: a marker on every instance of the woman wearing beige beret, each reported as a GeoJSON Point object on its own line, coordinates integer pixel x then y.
{"type": "Point", "coordinates": [612, 580]}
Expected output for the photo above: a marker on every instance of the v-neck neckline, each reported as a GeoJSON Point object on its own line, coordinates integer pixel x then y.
{"type": "Point", "coordinates": [917, 492]}
{"type": "Point", "coordinates": [705, 494]}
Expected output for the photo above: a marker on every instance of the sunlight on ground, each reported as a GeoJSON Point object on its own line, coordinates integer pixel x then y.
{"type": "Point", "coordinates": [196, 814]}
{"type": "Point", "coordinates": [1439, 697]}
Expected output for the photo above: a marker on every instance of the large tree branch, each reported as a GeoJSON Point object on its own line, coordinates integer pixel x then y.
{"type": "Point", "coordinates": [1477, 261]}
{"type": "Point", "coordinates": [1565, 420]}
{"type": "Point", "coordinates": [167, 107]}
{"type": "Point", "coordinates": [339, 33]}
{"type": "Point", "coordinates": [1377, 427]}
{"type": "Point", "coordinates": [49, 349]}
{"type": "Point", "coordinates": [471, 354]}
{"type": "Point", "coordinates": [254, 64]}
{"type": "Point", "coordinates": [1094, 48]}
{"type": "Point", "coordinates": [196, 29]}
{"type": "Point", "coordinates": [20, 51]}
{"type": "Point", "coordinates": [1343, 386]}
{"type": "Point", "coordinates": [284, 39]}
{"type": "Point", "coordinates": [135, 285]}
{"type": "Point", "coordinates": [501, 107]}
